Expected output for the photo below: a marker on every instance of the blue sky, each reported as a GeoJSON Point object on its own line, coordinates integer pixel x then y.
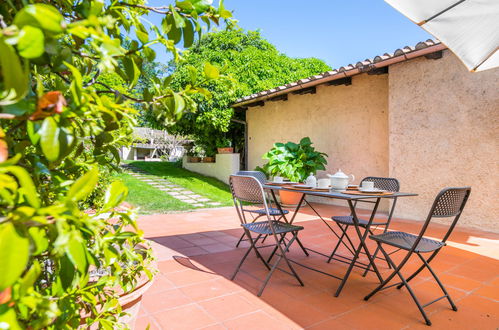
{"type": "Point", "coordinates": [337, 31]}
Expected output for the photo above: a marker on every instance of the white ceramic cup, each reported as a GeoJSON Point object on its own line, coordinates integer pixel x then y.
{"type": "Point", "coordinates": [323, 183]}
{"type": "Point", "coordinates": [278, 179]}
{"type": "Point", "coordinates": [367, 185]}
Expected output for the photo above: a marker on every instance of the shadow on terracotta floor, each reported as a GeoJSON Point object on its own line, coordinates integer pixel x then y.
{"type": "Point", "coordinates": [196, 260]}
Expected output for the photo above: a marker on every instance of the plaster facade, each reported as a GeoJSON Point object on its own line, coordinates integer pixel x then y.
{"type": "Point", "coordinates": [349, 123]}
{"type": "Point", "coordinates": [444, 132]}
{"type": "Point", "coordinates": [429, 123]}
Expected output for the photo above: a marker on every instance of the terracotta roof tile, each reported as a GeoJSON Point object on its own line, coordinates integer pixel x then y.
{"type": "Point", "coordinates": [361, 66]}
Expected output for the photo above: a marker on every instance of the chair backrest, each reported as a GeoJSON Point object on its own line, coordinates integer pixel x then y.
{"type": "Point", "coordinates": [247, 189]}
{"type": "Point", "coordinates": [390, 184]}
{"type": "Point", "coordinates": [260, 176]}
{"type": "Point", "coordinates": [449, 202]}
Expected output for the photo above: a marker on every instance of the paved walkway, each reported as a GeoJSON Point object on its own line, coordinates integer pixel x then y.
{"type": "Point", "coordinates": [170, 188]}
{"type": "Point", "coordinates": [196, 255]}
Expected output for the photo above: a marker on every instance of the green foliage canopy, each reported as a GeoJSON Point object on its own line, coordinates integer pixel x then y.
{"type": "Point", "coordinates": [253, 65]}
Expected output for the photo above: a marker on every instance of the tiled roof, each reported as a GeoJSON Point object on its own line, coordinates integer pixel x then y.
{"type": "Point", "coordinates": [399, 55]}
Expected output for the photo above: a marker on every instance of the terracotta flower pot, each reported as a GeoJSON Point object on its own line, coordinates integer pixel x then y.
{"type": "Point", "coordinates": [208, 159]}
{"type": "Point", "coordinates": [194, 159]}
{"type": "Point", "coordinates": [225, 150]}
{"type": "Point", "coordinates": [291, 198]}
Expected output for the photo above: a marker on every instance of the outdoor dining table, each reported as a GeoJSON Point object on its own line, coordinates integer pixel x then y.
{"type": "Point", "coordinates": [350, 199]}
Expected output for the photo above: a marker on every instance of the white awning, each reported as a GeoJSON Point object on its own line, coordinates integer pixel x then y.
{"type": "Point", "coordinates": [470, 28]}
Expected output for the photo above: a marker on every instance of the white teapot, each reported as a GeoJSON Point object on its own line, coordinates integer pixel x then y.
{"type": "Point", "coordinates": [340, 181]}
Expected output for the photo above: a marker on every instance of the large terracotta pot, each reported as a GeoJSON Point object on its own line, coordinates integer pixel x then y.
{"type": "Point", "coordinates": [130, 301]}
{"type": "Point", "coordinates": [291, 198]}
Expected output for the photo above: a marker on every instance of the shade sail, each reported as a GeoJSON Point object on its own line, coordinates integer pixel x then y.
{"type": "Point", "coordinates": [470, 28]}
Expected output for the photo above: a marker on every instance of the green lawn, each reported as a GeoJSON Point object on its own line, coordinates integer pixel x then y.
{"type": "Point", "coordinates": [149, 199]}
{"type": "Point", "coordinates": [146, 197]}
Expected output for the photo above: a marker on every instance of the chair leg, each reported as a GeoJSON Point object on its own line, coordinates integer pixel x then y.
{"type": "Point", "coordinates": [295, 235]}
{"type": "Point", "coordinates": [404, 283]}
{"type": "Point", "coordinates": [418, 270]}
{"type": "Point", "coordinates": [385, 282]}
{"type": "Point", "coordinates": [274, 267]}
{"type": "Point", "coordinates": [374, 258]}
{"type": "Point", "coordinates": [252, 247]}
{"type": "Point", "coordinates": [337, 244]}
{"type": "Point", "coordinates": [454, 308]}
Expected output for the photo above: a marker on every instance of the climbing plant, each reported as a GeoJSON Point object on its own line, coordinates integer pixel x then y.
{"type": "Point", "coordinates": [68, 76]}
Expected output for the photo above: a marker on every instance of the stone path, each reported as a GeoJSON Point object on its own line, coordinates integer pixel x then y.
{"type": "Point", "coordinates": [170, 188]}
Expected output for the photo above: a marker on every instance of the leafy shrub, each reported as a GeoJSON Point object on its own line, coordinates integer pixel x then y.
{"type": "Point", "coordinates": [294, 161]}
{"type": "Point", "coordinates": [61, 125]}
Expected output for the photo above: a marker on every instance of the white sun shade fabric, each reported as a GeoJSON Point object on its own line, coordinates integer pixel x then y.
{"type": "Point", "coordinates": [470, 28]}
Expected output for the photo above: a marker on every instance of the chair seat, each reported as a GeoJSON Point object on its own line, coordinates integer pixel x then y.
{"type": "Point", "coordinates": [348, 220]}
{"type": "Point", "coordinates": [405, 241]}
{"type": "Point", "coordinates": [263, 227]}
{"type": "Point", "coordinates": [272, 211]}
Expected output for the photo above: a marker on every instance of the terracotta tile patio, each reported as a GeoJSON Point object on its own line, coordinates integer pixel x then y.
{"type": "Point", "coordinates": [196, 254]}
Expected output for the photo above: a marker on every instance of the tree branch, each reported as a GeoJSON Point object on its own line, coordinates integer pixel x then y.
{"type": "Point", "coordinates": [93, 80]}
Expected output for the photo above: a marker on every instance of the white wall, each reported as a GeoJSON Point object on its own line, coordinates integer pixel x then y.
{"type": "Point", "coordinates": [224, 166]}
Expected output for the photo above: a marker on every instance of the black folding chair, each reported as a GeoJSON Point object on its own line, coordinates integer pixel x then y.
{"type": "Point", "coordinates": [248, 191]}
{"type": "Point", "coordinates": [274, 211]}
{"type": "Point", "coordinates": [449, 202]}
{"type": "Point", "coordinates": [344, 222]}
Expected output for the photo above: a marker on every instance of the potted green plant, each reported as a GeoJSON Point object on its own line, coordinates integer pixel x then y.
{"type": "Point", "coordinates": [209, 156]}
{"type": "Point", "coordinates": [224, 146]}
{"type": "Point", "coordinates": [294, 161]}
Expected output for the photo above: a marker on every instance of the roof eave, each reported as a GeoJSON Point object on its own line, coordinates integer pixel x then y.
{"type": "Point", "coordinates": [343, 74]}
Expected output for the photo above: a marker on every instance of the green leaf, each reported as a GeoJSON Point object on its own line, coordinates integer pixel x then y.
{"type": "Point", "coordinates": [49, 139]}
{"type": "Point", "coordinates": [43, 16]}
{"type": "Point", "coordinates": [211, 71]}
{"type": "Point", "coordinates": [188, 33]}
{"type": "Point", "coordinates": [305, 141]}
{"type": "Point", "coordinates": [31, 44]}
{"type": "Point", "coordinates": [142, 33]}
{"type": "Point", "coordinates": [201, 5]}
{"type": "Point", "coordinates": [26, 183]}
{"type": "Point", "coordinates": [32, 127]}
{"type": "Point", "coordinates": [115, 194]}
{"type": "Point", "coordinates": [14, 255]}
{"type": "Point", "coordinates": [179, 21]}
{"type": "Point", "coordinates": [175, 34]}
{"type": "Point", "coordinates": [184, 5]}
{"type": "Point", "coordinates": [20, 108]}
{"type": "Point", "coordinates": [179, 104]}
{"type": "Point", "coordinates": [132, 70]}
{"type": "Point", "coordinates": [8, 319]}
{"type": "Point", "coordinates": [67, 272]}
{"type": "Point", "coordinates": [84, 185]}
{"type": "Point", "coordinates": [30, 278]}
{"type": "Point", "coordinates": [15, 80]}
{"type": "Point", "coordinates": [76, 83]}
{"type": "Point", "coordinates": [165, 25]}
{"type": "Point", "coordinates": [39, 238]}
{"type": "Point", "coordinates": [75, 251]}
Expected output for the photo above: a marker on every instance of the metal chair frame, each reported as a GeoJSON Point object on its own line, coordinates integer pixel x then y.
{"type": "Point", "coordinates": [448, 203]}
{"type": "Point", "coordinates": [248, 190]}
{"type": "Point", "coordinates": [390, 184]}
{"type": "Point", "coordinates": [260, 176]}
